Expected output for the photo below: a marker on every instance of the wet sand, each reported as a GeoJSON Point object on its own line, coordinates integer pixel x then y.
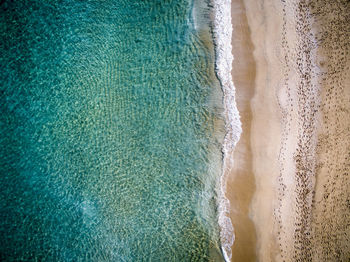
{"type": "Point", "coordinates": [288, 184]}
{"type": "Point", "coordinates": [241, 181]}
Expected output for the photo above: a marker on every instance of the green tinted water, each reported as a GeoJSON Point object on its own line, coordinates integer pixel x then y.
{"type": "Point", "coordinates": [109, 122]}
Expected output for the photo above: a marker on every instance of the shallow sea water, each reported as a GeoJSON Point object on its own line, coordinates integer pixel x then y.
{"type": "Point", "coordinates": [111, 132]}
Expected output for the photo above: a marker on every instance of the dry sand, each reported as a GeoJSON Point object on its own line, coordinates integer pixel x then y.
{"type": "Point", "coordinates": [288, 186]}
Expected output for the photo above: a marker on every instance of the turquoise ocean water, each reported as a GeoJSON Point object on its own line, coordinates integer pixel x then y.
{"type": "Point", "coordinates": [111, 131]}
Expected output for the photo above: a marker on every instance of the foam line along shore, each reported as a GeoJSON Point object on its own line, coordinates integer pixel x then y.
{"type": "Point", "coordinates": [223, 50]}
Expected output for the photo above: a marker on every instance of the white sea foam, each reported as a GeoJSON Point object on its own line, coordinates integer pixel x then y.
{"type": "Point", "coordinates": [223, 63]}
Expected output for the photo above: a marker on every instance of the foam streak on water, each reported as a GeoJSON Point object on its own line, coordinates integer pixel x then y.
{"type": "Point", "coordinates": [224, 58]}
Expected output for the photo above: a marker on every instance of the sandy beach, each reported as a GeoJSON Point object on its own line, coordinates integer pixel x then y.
{"type": "Point", "coordinates": [288, 182]}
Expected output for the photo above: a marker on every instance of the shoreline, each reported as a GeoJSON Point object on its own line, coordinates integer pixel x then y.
{"type": "Point", "coordinates": [222, 35]}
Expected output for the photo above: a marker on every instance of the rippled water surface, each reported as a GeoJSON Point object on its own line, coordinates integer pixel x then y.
{"type": "Point", "coordinates": [110, 145]}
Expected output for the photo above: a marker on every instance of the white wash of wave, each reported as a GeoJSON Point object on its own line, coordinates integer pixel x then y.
{"type": "Point", "coordinates": [223, 63]}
